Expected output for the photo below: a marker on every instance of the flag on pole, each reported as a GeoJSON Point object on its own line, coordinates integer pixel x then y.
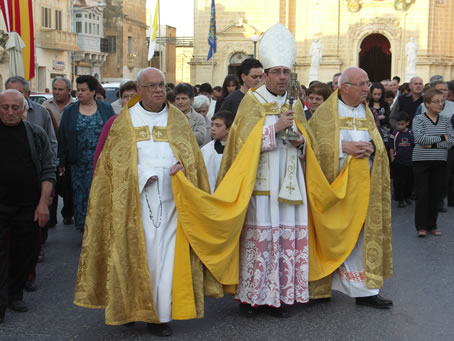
{"type": "Point", "coordinates": [154, 29]}
{"type": "Point", "coordinates": [18, 16]}
{"type": "Point", "coordinates": [212, 32]}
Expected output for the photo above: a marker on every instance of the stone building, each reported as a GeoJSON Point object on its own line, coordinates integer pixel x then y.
{"type": "Point", "coordinates": [54, 42]}
{"type": "Point", "coordinates": [125, 39]}
{"type": "Point", "coordinates": [372, 34]}
{"type": "Point", "coordinates": [88, 25]}
{"type": "Point", "coordinates": [165, 51]}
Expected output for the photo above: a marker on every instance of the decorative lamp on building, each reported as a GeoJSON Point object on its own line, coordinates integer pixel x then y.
{"type": "Point", "coordinates": [255, 38]}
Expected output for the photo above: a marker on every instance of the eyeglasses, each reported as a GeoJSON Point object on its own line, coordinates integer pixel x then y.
{"type": "Point", "coordinates": [128, 97]}
{"type": "Point", "coordinates": [438, 102]}
{"type": "Point", "coordinates": [360, 84]}
{"type": "Point", "coordinates": [286, 72]}
{"type": "Point", "coordinates": [154, 86]}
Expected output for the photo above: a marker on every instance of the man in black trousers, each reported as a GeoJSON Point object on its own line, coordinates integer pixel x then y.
{"type": "Point", "coordinates": [27, 176]}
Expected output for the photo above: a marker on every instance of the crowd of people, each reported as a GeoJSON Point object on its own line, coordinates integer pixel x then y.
{"type": "Point", "coordinates": [134, 178]}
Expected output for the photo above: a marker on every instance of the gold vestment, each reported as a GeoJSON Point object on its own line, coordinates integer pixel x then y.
{"type": "Point", "coordinates": [113, 270]}
{"type": "Point", "coordinates": [325, 125]}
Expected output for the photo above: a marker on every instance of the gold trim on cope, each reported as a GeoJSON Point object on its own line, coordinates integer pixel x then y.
{"type": "Point", "coordinates": [160, 134]}
{"type": "Point", "coordinates": [346, 123]}
{"type": "Point", "coordinates": [361, 124]}
{"type": "Point", "coordinates": [142, 133]}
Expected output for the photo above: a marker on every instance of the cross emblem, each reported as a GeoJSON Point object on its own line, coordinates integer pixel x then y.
{"type": "Point", "coordinates": [290, 188]}
{"type": "Point", "coordinates": [260, 178]}
{"type": "Point", "coordinates": [143, 133]}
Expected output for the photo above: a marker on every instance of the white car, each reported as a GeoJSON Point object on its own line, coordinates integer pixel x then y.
{"type": "Point", "coordinates": [40, 97]}
{"type": "Point", "coordinates": [111, 91]}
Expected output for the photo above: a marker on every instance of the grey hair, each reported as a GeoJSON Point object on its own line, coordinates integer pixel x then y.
{"type": "Point", "coordinates": [14, 91]}
{"type": "Point", "coordinates": [433, 84]}
{"type": "Point", "coordinates": [414, 78]}
{"type": "Point", "coordinates": [19, 79]}
{"type": "Point", "coordinates": [141, 72]}
{"type": "Point", "coordinates": [435, 78]}
{"type": "Point", "coordinates": [68, 84]}
{"type": "Point", "coordinates": [342, 79]}
{"type": "Point", "coordinates": [199, 101]}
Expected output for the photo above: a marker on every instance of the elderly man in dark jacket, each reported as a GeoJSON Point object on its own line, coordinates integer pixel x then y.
{"type": "Point", "coordinates": [27, 176]}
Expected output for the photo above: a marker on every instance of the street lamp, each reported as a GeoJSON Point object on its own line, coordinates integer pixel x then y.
{"type": "Point", "coordinates": [255, 39]}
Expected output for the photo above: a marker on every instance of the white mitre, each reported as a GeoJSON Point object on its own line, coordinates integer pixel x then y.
{"type": "Point", "coordinates": [277, 47]}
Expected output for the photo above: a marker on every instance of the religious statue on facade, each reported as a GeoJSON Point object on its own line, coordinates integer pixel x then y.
{"type": "Point", "coordinates": [316, 53]}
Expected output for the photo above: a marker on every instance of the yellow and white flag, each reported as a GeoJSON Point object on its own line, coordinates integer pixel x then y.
{"type": "Point", "coordinates": [154, 30]}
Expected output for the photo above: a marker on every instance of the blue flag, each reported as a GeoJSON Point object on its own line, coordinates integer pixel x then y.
{"type": "Point", "coordinates": [212, 32]}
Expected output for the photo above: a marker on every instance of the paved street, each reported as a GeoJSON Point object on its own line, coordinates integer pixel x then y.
{"type": "Point", "coordinates": [422, 290]}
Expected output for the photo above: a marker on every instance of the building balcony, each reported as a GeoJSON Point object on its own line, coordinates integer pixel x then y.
{"type": "Point", "coordinates": [57, 40]}
{"type": "Point", "coordinates": [89, 57]}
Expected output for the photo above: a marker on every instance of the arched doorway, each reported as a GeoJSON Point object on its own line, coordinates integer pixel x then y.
{"type": "Point", "coordinates": [375, 57]}
{"type": "Point", "coordinates": [235, 61]}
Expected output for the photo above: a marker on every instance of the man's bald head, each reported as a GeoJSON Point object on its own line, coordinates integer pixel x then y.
{"type": "Point", "coordinates": [151, 86]}
{"type": "Point", "coordinates": [148, 71]}
{"type": "Point", "coordinates": [354, 86]}
{"type": "Point", "coordinates": [12, 104]}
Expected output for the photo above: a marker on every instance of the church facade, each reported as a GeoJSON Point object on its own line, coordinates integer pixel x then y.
{"type": "Point", "coordinates": [382, 36]}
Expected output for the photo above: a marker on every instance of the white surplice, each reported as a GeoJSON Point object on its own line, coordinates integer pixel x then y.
{"type": "Point", "coordinates": [212, 162]}
{"type": "Point", "coordinates": [350, 278]}
{"type": "Point", "coordinates": [274, 251]}
{"type": "Point", "coordinates": [159, 215]}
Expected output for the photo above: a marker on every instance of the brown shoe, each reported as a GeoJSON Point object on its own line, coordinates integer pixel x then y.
{"type": "Point", "coordinates": [422, 233]}
{"type": "Point", "coordinates": [435, 233]}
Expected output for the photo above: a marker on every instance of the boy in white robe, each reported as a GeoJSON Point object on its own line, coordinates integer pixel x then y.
{"type": "Point", "coordinates": [212, 151]}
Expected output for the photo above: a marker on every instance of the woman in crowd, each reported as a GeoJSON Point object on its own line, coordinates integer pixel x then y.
{"type": "Point", "coordinates": [316, 95]}
{"type": "Point", "coordinates": [201, 105]}
{"type": "Point", "coordinates": [434, 135]}
{"type": "Point", "coordinates": [80, 126]}
{"type": "Point", "coordinates": [230, 84]}
{"type": "Point", "coordinates": [100, 93]}
{"type": "Point", "coordinates": [184, 97]}
{"type": "Point", "coordinates": [380, 108]}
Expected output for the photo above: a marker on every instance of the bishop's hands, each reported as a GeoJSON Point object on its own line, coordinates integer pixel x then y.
{"type": "Point", "coordinates": [360, 149]}
{"type": "Point", "coordinates": [176, 168]}
{"type": "Point", "coordinates": [284, 122]}
{"type": "Point", "coordinates": [151, 180]}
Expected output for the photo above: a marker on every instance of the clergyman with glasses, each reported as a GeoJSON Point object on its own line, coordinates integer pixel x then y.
{"type": "Point", "coordinates": [131, 241]}
{"type": "Point", "coordinates": [345, 130]}
{"type": "Point", "coordinates": [273, 255]}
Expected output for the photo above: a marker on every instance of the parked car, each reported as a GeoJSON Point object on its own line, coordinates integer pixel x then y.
{"type": "Point", "coordinates": [40, 97]}
{"type": "Point", "coordinates": [111, 91]}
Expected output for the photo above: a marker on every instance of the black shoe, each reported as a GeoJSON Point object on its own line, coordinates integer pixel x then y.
{"type": "Point", "coordinates": [442, 209]}
{"type": "Point", "coordinates": [18, 305]}
{"type": "Point", "coordinates": [280, 312]}
{"type": "Point", "coordinates": [129, 324]}
{"type": "Point", "coordinates": [247, 310]}
{"type": "Point", "coordinates": [401, 204]}
{"type": "Point", "coordinates": [68, 221]}
{"type": "Point", "coordinates": [408, 201]}
{"type": "Point", "coordinates": [160, 329]}
{"type": "Point", "coordinates": [375, 301]}
{"type": "Point", "coordinates": [320, 300]}
{"type": "Point", "coordinates": [30, 286]}
{"type": "Point", "coordinates": [2, 316]}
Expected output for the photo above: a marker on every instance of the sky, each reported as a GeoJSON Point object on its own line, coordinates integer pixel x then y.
{"type": "Point", "coordinates": [176, 13]}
